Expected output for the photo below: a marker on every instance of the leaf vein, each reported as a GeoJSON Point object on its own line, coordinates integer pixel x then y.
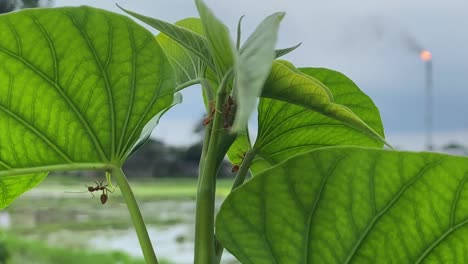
{"type": "Point", "coordinates": [390, 204]}
{"type": "Point", "coordinates": [37, 132]}
{"type": "Point", "coordinates": [67, 99]}
{"type": "Point", "coordinates": [318, 197]}
{"type": "Point", "coordinates": [456, 199]}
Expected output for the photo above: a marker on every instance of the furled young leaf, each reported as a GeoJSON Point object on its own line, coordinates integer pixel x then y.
{"type": "Point", "coordinates": [253, 66]}
{"type": "Point", "coordinates": [220, 44]}
{"type": "Point", "coordinates": [185, 36]}
{"type": "Point", "coordinates": [78, 85]}
{"type": "Point", "coordinates": [282, 52]}
{"type": "Point", "coordinates": [351, 205]}
{"type": "Point", "coordinates": [187, 66]}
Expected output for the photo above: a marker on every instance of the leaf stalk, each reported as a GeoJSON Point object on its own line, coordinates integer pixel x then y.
{"type": "Point", "coordinates": [135, 214]}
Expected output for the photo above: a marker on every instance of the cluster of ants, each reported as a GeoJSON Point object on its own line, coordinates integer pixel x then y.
{"type": "Point", "coordinates": [228, 114]}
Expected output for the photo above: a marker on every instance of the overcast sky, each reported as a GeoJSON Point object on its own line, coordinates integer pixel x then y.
{"type": "Point", "coordinates": [371, 42]}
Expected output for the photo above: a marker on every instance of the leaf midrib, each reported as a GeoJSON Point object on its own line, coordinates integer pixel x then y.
{"type": "Point", "coordinates": [58, 167]}
{"type": "Point", "coordinates": [308, 239]}
{"type": "Point", "coordinates": [98, 62]}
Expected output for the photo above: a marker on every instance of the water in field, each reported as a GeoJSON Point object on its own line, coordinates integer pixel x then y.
{"type": "Point", "coordinates": [76, 220]}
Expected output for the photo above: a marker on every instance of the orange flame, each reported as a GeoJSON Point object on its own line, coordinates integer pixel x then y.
{"type": "Point", "coordinates": [425, 55]}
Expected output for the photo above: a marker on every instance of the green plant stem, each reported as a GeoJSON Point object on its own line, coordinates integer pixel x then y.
{"type": "Point", "coordinates": [238, 181]}
{"type": "Point", "coordinates": [244, 168]}
{"type": "Point", "coordinates": [204, 219]}
{"type": "Point", "coordinates": [135, 214]}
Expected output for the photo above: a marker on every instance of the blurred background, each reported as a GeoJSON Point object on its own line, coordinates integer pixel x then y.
{"type": "Point", "coordinates": [410, 57]}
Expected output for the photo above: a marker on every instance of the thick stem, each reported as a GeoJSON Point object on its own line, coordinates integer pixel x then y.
{"type": "Point", "coordinates": [205, 207]}
{"type": "Point", "coordinates": [135, 214]}
{"type": "Point", "coordinates": [238, 181]}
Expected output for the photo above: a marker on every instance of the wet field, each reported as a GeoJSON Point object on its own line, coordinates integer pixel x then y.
{"type": "Point", "coordinates": [61, 214]}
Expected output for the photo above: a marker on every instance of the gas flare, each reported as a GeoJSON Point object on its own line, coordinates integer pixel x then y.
{"type": "Point", "coordinates": [425, 55]}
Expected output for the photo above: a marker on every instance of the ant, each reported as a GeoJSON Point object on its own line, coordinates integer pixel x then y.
{"type": "Point", "coordinates": [228, 113]}
{"type": "Point", "coordinates": [99, 187]}
{"type": "Point", "coordinates": [210, 116]}
{"type": "Point", "coordinates": [236, 167]}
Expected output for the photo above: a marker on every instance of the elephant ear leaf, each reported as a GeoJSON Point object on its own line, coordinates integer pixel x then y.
{"type": "Point", "coordinates": [288, 127]}
{"type": "Point", "coordinates": [351, 205]}
{"type": "Point", "coordinates": [78, 86]}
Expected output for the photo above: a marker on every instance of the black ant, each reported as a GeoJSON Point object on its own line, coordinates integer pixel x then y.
{"type": "Point", "coordinates": [99, 187]}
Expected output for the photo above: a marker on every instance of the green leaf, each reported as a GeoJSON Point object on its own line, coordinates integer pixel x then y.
{"type": "Point", "coordinates": [240, 146]}
{"type": "Point", "coordinates": [187, 66]}
{"type": "Point", "coordinates": [189, 39]}
{"type": "Point", "coordinates": [282, 52]}
{"type": "Point", "coordinates": [290, 85]}
{"type": "Point", "coordinates": [253, 66]}
{"type": "Point", "coordinates": [286, 129]}
{"type": "Point", "coordinates": [151, 125]}
{"type": "Point", "coordinates": [13, 186]}
{"type": "Point", "coordinates": [220, 45]}
{"type": "Point", "coordinates": [78, 86]}
{"type": "Point", "coordinates": [351, 205]}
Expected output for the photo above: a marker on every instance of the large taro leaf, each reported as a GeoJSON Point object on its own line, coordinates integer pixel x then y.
{"type": "Point", "coordinates": [77, 87]}
{"type": "Point", "coordinates": [351, 205]}
{"type": "Point", "coordinates": [287, 129]}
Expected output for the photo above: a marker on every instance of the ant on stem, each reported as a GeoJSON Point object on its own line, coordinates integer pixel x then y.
{"type": "Point", "coordinates": [228, 112]}
{"type": "Point", "coordinates": [210, 116]}
{"type": "Point", "coordinates": [236, 167]}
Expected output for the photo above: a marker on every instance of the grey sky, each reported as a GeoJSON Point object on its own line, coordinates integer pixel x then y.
{"type": "Point", "coordinates": [365, 41]}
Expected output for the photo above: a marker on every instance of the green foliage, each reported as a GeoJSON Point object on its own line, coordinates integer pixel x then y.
{"type": "Point", "coordinates": [288, 84]}
{"type": "Point", "coordinates": [76, 102]}
{"type": "Point", "coordinates": [85, 89]}
{"type": "Point", "coordinates": [183, 33]}
{"type": "Point", "coordinates": [187, 67]}
{"type": "Point", "coordinates": [220, 44]}
{"type": "Point", "coordinates": [253, 67]}
{"type": "Point", "coordinates": [351, 205]}
{"type": "Point", "coordinates": [290, 124]}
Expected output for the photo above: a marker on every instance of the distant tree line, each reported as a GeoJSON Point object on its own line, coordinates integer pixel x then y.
{"type": "Point", "coordinates": [11, 5]}
{"type": "Point", "coordinates": [156, 159]}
